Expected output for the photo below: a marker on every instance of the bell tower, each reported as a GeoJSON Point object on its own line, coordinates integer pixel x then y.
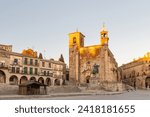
{"type": "Point", "coordinates": [76, 40]}
{"type": "Point", "coordinates": [104, 36]}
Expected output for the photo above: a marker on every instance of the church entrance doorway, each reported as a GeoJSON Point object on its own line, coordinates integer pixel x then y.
{"type": "Point", "coordinates": [88, 79]}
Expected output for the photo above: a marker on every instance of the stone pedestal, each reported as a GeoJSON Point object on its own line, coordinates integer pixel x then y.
{"type": "Point", "coordinates": [94, 81]}
{"type": "Point", "coordinates": [111, 86]}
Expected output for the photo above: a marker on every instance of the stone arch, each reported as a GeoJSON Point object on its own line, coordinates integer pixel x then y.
{"type": "Point", "coordinates": [2, 77]}
{"type": "Point", "coordinates": [57, 82]}
{"type": "Point", "coordinates": [48, 82]}
{"type": "Point", "coordinates": [23, 79]}
{"type": "Point", "coordinates": [87, 79]}
{"type": "Point", "coordinates": [32, 79]}
{"type": "Point", "coordinates": [13, 80]}
{"type": "Point", "coordinates": [41, 80]}
{"type": "Point", "coordinates": [147, 82]}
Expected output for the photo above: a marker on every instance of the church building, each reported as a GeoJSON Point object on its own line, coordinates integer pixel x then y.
{"type": "Point", "coordinates": [92, 65]}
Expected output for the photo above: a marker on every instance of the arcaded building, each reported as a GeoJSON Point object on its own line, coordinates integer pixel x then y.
{"type": "Point", "coordinates": [137, 72]}
{"type": "Point", "coordinates": [17, 68]}
{"type": "Point", "coordinates": [94, 64]}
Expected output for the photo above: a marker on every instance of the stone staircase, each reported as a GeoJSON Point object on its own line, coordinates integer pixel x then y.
{"type": "Point", "coordinates": [6, 89]}
{"type": "Point", "coordinates": [63, 89]}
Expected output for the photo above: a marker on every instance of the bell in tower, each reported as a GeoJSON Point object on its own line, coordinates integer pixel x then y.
{"type": "Point", "coordinates": [104, 36]}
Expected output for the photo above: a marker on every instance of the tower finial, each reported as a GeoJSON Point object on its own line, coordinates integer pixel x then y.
{"type": "Point", "coordinates": [76, 29]}
{"type": "Point", "coordinates": [104, 27]}
{"type": "Point", "coordinates": [103, 24]}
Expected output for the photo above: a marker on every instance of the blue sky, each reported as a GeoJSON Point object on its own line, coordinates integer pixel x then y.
{"type": "Point", "coordinates": [45, 24]}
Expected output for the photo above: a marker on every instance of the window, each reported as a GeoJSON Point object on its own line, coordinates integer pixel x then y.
{"type": "Point", "coordinates": [104, 35]}
{"type": "Point", "coordinates": [17, 70]}
{"type": "Point", "coordinates": [36, 71]}
{"type": "Point", "coordinates": [74, 40]}
{"type": "Point", "coordinates": [31, 70]}
{"type": "Point", "coordinates": [25, 70]}
{"type": "Point", "coordinates": [15, 61]}
{"type": "Point", "coordinates": [13, 69]}
{"type": "Point", "coordinates": [26, 61]}
{"type": "Point", "coordinates": [36, 62]}
{"type": "Point", "coordinates": [31, 61]}
{"type": "Point", "coordinates": [47, 73]}
{"type": "Point", "coordinates": [44, 73]}
{"type": "Point", "coordinates": [49, 65]}
{"type": "Point", "coordinates": [43, 64]}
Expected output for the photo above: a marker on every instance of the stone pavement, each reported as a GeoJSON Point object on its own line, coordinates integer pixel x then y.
{"type": "Point", "coordinates": [53, 95]}
{"type": "Point", "coordinates": [128, 95]}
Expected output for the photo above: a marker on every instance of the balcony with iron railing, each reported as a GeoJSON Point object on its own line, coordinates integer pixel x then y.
{"type": "Point", "coordinates": [3, 66]}
{"type": "Point", "coordinates": [15, 71]}
{"type": "Point", "coordinates": [46, 74]}
{"type": "Point", "coordinates": [31, 64]}
{"type": "Point", "coordinates": [16, 64]}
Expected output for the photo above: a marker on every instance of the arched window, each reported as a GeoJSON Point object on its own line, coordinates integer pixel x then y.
{"type": "Point", "coordinates": [74, 40]}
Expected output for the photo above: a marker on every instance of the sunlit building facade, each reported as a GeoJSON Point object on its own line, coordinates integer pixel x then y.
{"type": "Point", "coordinates": [137, 72]}
{"type": "Point", "coordinates": [17, 68]}
{"type": "Point", "coordinates": [94, 65]}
